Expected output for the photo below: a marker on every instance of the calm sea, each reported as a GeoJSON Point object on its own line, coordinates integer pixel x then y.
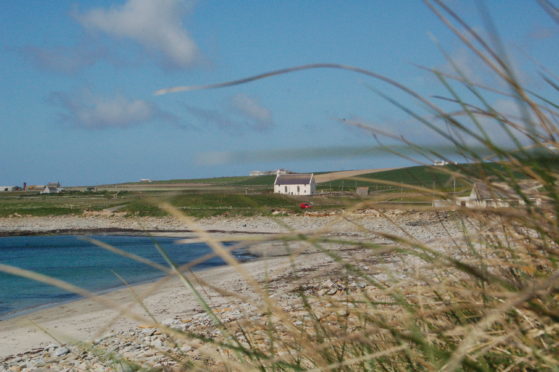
{"type": "Point", "coordinates": [81, 263]}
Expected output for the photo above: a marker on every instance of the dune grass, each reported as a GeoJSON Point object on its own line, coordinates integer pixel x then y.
{"type": "Point", "coordinates": [485, 300]}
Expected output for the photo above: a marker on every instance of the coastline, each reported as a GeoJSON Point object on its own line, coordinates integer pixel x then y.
{"type": "Point", "coordinates": [83, 319]}
{"type": "Point", "coordinates": [24, 337]}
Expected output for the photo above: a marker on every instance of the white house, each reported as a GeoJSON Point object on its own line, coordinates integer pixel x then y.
{"type": "Point", "coordinates": [8, 188]}
{"type": "Point", "coordinates": [295, 184]}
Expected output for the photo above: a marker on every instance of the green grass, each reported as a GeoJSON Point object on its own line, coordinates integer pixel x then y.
{"type": "Point", "coordinates": [209, 204]}
{"type": "Point", "coordinates": [213, 204]}
{"type": "Point", "coordinates": [438, 178]}
{"type": "Point", "coordinates": [229, 202]}
{"type": "Point", "coordinates": [55, 205]}
{"type": "Point", "coordinates": [227, 196]}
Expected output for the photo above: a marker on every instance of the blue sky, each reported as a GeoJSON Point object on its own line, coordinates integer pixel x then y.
{"type": "Point", "coordinates": [77, 101]}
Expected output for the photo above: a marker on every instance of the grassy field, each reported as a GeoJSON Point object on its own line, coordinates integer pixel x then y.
{"type": "Point", "coordinates": [227, 195]}
{"type": "Point", "coordinates": [34, 204]}
{"type": "Point", "coordinates": [213, 204]}
{"type": "Point", "coordinates": [197, 204]}
{"type": "Point", "coordinates": [248, 195]}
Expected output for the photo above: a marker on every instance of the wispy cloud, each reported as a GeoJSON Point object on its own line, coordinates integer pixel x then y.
{"type": "Point", "coordinates": [212, 118]}
{"type": "Point", "coordinates": [240, 114]}
{"type": "Point", "coordinates": [65, 60]}
{"type": "Point", "coordinates": [91, 111]}
{"type": "Point", "coordinates": [259, 117]}
{"type": "Point", "coordinates": [155, 25]}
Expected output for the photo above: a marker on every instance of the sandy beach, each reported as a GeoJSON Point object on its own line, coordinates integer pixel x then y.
{"type": "Point", "coordinates": [48, 337]}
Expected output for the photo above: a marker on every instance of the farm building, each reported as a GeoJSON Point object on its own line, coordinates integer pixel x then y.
{"type": "Point", "coordinates": [35, 188]}
{"type": "Point", "coordinates": [9, 188]}
{"type": "Point", "coordinates": [295, 184]}
{"type": "Point", "coordinates": [362, 191]}
{"type": "Point", "coordinates": [52, 188]}
{"type": "Point", "coordinates": [500, 195]}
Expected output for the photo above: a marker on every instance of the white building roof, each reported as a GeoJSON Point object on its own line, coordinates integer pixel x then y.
{"type": "Point", "coordinates": [293, 179]}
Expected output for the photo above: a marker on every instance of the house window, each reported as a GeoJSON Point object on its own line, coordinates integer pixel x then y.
{"type": "Point", "coordinates": [285, 188]}
{"type": "Point", "coordinates": [298, 190]}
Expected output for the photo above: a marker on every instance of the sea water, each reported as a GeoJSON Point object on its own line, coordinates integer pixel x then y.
{"type": "Point", "coordinates": [83, 264]}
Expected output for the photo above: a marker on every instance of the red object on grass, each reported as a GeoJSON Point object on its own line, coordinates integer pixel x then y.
{"type": "Point", "coordinates": [305, 205]}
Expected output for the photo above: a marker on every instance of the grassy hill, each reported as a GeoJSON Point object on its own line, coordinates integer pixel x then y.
{"type": "Point", "coordinates": [439, 178]}
{"type": "Point", "coordinates": [244, 195]}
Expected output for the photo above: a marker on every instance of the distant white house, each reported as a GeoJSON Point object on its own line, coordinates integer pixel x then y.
{"type": "Point", "coordinates": [295, 184]}
{"type": "Point", "coordinates": [52, 188]}
{"type": "Point", "coordinates": [268, 173]}
{"type": "Point", "coordinates": [8, 188]}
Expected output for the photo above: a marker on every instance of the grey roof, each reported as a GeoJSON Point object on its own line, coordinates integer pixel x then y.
{"type": "Point", "coordinates": [293, 179]}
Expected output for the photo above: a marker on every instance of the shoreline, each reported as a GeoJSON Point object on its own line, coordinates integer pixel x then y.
{"type": "Point", "coordinates": [119, 231]}
{"type": "Point", "coordinates": [85, 320]}
{"type": "Point", "coordinates": [248, 257]}
{"type": "Point", "coordinates": [75, 297]}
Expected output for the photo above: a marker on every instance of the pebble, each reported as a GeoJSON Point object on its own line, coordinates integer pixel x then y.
{"type": "Point", "coordinates": [58, 352]}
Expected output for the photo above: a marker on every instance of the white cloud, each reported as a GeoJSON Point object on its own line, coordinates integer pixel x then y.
{"type": "Point", "coordinates": [155, 25]}
{"type": "Point", "coordinates": [94, 112]}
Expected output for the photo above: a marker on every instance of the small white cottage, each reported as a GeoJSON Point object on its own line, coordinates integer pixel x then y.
{"type": "Point", "coordinates": [295, 184]}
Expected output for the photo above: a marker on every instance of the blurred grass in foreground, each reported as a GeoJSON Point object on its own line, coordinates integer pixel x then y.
{"type": "Point", "coordinates": [486, 300]}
